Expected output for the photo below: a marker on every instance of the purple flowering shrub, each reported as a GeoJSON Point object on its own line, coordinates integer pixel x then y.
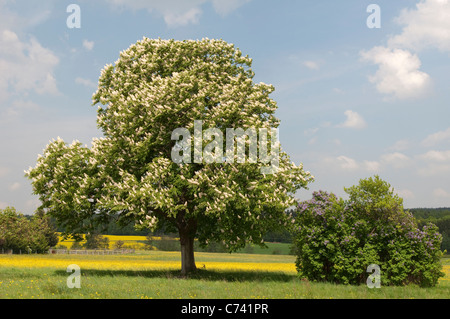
{"type": "Point", "coordinates": [336, 240]}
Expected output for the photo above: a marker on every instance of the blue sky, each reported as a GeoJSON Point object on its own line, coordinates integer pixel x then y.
{"type": "Point", "coordinates": [353, 101]}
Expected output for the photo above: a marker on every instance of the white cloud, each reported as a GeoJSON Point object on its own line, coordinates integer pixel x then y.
{"type": "Point", "coordinates": [175, 19]}
{"type": "Point", "coordinates": [400, 145]}
{"type": "Point", "coordinates": [437, 138]}
{"type": "Point", "coordinates": [311, 65]}
{"type": "Point", "coordinates": [15, 186]}
{"type": "Point", "coordinates": [312, 141]}
{"type": "Point", "coordinates": [25, 66]}
{"type": "Point", "coordinates": [225, 7]}
{"type": "Point", "coordinates": [350, 164]}
{"type": "Point", "coordinates": [17, 108]}
{"type": "Point", "coordinates": [314, 130]}
{"type": "Point", "coordinates": [354, 120]}
{"type": "Point", "coordinates": [434, 163]}
{"type": "Point", "coordinates": [434, 169]}
{"type": "Point", "coordinates": [311, 131]}
{"type": "Point", "coordinates": [175, 12]}
{"type": "Point", "coordinates": [85, 82]}
{"type": "Point", "coordinates": [396, 160]}
{"type": "Point", "coordinates": [426, 26]}
{"type": "Point", "coordinates": [178, 13]}
{"type": "Point", "coordinates": [31, 15]}
{"type": "Point", "coordinates": [442, 193]}
{"type": "Point", "coordinates": [88, 45]}
{"type": "Point", "coordinates": [398, 73]}
{"type": "Point", "coordinates": [405, 193]}
{"type": "Point", "coordinates": [436, 156]}
{"type": "Point", "coordinates": [372, 166]}
{"type": "Point", "coordinates": [347, 163]}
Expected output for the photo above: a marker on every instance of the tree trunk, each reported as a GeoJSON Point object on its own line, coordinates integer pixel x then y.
{"type": "Point", "coordinates": [187, 235]}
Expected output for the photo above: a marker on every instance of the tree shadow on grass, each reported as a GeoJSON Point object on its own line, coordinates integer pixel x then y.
{"type": "Point", "coordinates": [199, 274]}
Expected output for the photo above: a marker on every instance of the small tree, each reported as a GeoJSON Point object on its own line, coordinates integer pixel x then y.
{"type": "Point", "coordinates": [96, 241]}
{"type": "Point", "coordinates": [337, 240]}
{"type": "Point", "coordinates": [44, 228]}
{"type": "Point", "coordinates": [119, 244]}
{"type": "Point", "coordinates": [155, 88]}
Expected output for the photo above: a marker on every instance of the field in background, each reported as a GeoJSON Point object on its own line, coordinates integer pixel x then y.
{"type": "Point", "coordinates": [138, 243]}
{"type": "Point", "coordinates": [155, 274]}
{"type": "Point", "coordinates": [133, 242]}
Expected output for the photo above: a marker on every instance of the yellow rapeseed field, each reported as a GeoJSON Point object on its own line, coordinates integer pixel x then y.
{"type": "Point", "coordinates": [135, 242]}
{"type": "Point", "coordinates": [159, 261]}
{"type": "Point", "coordinates": [156, 261]}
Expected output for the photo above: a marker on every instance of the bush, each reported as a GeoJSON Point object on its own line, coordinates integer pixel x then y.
{"type": "Point", "coordinates": [336, 240]}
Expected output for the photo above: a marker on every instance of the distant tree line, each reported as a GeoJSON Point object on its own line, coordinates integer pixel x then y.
{"type": "Point", "coordinates": [438, 216]}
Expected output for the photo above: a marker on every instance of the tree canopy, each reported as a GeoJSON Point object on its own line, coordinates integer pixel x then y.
{"type": "Point", "coordinates": [154, 88]}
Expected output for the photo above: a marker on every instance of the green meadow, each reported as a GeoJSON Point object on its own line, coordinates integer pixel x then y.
{"type": "Point", "coordinates": [155, 275]}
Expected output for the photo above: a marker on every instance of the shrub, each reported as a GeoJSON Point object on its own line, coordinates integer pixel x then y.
{"type": "Point", "coordinates": [336, 240]}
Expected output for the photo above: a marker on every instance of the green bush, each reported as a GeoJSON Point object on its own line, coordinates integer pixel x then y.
{"type": "Point", "coordinates": [336, 240]}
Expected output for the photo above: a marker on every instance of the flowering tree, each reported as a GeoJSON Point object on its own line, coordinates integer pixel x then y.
{"type": "Point", "coordinates": [154, 88]}
{"type": "Point", "coordinates": [337, 240]}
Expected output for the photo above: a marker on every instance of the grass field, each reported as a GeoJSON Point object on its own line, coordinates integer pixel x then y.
{"type": "Point", "coordinates": [154, 274]}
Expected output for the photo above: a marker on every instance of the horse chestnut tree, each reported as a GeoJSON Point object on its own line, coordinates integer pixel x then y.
{"type": "Point", "coordinates": [155, 87]}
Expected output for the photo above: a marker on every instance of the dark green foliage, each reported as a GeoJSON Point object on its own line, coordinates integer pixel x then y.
{"type": "Point", "coordinates": [96, 241]}
{"type": "Point", "coordinates": [119, 244]}
{"type": "Point", "coordinates": [438, 216]}
{"type": "Point", "coordinates": [76, 245]}
{"type": "Point", "coordinates": [215, 247]}
{"type": "Point", "coordinates": [21, 234]}
{"type": "Point", "coordinates": [337, 240]}
{"type": "Point", "coordinates": [167, 243]}
{"type": "Point", "coordinates": [432, 213]}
